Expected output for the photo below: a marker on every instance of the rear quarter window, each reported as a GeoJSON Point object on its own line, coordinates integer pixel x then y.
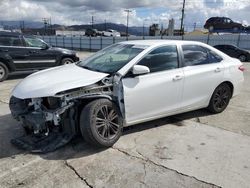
{"type": "Point", "coordinates": [10, 41]}
{"type": "Point", "coordinates": [199, 55]}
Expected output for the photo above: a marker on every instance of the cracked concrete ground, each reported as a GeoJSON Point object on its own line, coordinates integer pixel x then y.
{"type": "Point", "coordinates": [194, 149]}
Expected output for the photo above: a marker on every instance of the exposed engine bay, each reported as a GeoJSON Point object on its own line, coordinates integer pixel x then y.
{"type": "Point", "coordinates": [51, 122]}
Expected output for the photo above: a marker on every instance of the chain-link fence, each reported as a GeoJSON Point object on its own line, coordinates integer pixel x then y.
{"type": "Point", "coordinates": [97, 43]}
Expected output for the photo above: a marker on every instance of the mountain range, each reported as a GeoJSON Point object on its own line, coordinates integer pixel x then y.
{"type": "Point", "coordinates": [134, 30]}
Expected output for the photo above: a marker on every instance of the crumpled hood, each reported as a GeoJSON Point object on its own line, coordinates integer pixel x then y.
{"type": "Point", "coordinates": [51, 81]}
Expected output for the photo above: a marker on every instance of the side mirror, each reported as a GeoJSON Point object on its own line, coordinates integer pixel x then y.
{"type": "Point", "coordinates": [45, 46]}
{"type": "Point", "coordinates": [139, 70]}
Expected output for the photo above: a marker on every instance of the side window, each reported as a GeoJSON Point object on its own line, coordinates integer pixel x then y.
{"type": "Point", "coordinates": [34, 42]}
{"type": "Point", "coordinates": [5, 41]}
{"type": "Point", "coordinates": [222, 47]}
{"type": "Point", "coordinates": [194, 55]}
{"type": "Point", "coordinates": [231, 47]}
{"type": "Point", "coordinates": [160, 59]}
{"type": "Point", "coordinates": [214, 57]}
{"type": "Point", "coordinates": [10, 41]}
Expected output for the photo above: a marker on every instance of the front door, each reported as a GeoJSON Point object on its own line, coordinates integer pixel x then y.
{"type": "Point", "coordinates": [38, 54]}
{"type": "Point", "coordinates": [157, 93]}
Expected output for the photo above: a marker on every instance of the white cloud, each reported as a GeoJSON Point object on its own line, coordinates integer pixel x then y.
{"type": "Point", "coordinates": [80, 11]}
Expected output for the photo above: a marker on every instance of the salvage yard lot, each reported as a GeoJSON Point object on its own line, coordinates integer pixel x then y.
{"type": "Point", "coordinates": [195, 149]}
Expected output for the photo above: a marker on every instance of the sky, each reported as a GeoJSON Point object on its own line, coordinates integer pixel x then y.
{"type": "Point", "coordinates": [144, 12]}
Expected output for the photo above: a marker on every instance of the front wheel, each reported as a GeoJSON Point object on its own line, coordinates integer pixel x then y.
{"type": "Point", "coordinates": [66, 61]}
{"type": "Point", "coordinates": [220, 98]}
{"type": "Point", "coordinates": [101, 123]}
{"type": "Point", "coordinates": [4, 71]}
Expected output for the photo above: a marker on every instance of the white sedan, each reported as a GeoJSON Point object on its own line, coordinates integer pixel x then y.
{"type": "Point", "coordinates": [124, 84]}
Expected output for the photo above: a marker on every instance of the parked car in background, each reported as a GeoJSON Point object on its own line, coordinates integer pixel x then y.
{"type": "Point", "coordinates": [124, 84]}
{"type": "Point", "coordinates": [222, 23]}
{"type": "Point", "coordinates": [90, 32]}
{"type": "Point", "coordinates": [234, 51]}
{"type": "Point", "coordinates": [111, 33]}
{"type": "Point", "coordinates": [19, 52]}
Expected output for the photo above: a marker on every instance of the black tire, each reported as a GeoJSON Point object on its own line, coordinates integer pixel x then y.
{"type": "Point", "coordinates": [211, 28]}
{"type": "Point", "coordinates": [101, 123]}
{"type": "Point", "coordinates": [220, 98]}
{"type": "Point", "coordinates": [242, 58]}
{"type": "Point", "coordinates": [4, 72]}
{"type": "Point", "coordinates": [66, 61]}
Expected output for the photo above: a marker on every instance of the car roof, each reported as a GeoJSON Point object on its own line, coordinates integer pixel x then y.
{"type": "Point", "coordinates": [161, 42]}
{"type": "Point", "coordinates": [215, 18]}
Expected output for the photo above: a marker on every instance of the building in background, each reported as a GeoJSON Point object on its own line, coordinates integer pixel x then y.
{"type": "Point", "coordinates": [69, 33]}
{"type": "Point", "coordinates": [171, 27]}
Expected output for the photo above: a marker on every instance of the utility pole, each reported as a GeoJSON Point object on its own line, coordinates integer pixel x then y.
{"type": "Point", "coordinates": [92, 22]}
{"type": "Point", "coordinates": [50, 26]}
{"type": "Point", "coordinates": [194, 26]}
{"type": "Point", "coordinates": [105, 26]}
{"type": "Point", "coordinates": [45, 21]}
{"type": "Point", "coordinates": [143, 30]}
{"type": "Point", "coordinates": [182, 17]}
{"type": "Point", "coordinates": [128, 11]}
{"type": "Point", "coordinates": [22, 25]}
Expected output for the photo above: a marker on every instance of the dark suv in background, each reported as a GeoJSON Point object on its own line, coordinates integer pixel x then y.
{"type": "Point", "coordinates": [19, 52]}
{"type": "Point", "coordinates": [222, 23]}
{"type": "Point", "coordinates": [91, 32]}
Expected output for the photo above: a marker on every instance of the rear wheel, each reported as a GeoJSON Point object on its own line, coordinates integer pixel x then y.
{"type": "Point", "coordinates": [242, 58]}
{"type": "Point", "coordinates": [101, 123]}
{"type": "Point", "coordinates": [220, 98]}
{"type": "Point", "coordinates": [4, 71]}
{"type": "Point", "coordinates": [66, 61]}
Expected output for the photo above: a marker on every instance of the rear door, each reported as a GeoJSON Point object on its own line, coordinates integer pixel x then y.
{"type": "Point", "coordinates": [157, 93]}
{"type": "Point", "coordinates": [204, 71]}
{"type": "Point", "coordinates": [13, 46]}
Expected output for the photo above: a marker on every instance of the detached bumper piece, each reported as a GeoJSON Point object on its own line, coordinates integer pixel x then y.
{"type": "Point", "coordinates": [43, 144]}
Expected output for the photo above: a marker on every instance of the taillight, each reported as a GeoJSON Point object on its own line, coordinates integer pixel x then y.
{"type": "Point", "coordinates": [242, 68]}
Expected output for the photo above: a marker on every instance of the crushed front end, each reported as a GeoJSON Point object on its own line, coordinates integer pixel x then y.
{"type": "Point", "coordinates": [46, 122]}
{"type": "Point", "coordinates": [51, 122]}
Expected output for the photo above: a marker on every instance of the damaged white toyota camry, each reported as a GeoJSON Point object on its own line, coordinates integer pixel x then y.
{"type": "Point", "coordinates": [124, 84]}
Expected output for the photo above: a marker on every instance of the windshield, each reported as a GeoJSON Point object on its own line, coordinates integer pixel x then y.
{"type": "Point", "coordinates": [112, 58]}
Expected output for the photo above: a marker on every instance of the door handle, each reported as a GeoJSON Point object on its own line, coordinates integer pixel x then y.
{"type": "Point", "coordinates": [218, 69]}
{"type": "Point", "coordinates": [177, 77]}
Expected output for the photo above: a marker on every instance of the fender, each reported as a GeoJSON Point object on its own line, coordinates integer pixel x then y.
{"type": "Point", "coordinates": [8, 61]}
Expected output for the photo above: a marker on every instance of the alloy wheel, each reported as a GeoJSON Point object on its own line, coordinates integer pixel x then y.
{"type": "Point", "coordinates": [2, 72]}
{"type": "Point", "coordinates": [106, 122]}
{"type": "Point", "coordinates": [221, 98]}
